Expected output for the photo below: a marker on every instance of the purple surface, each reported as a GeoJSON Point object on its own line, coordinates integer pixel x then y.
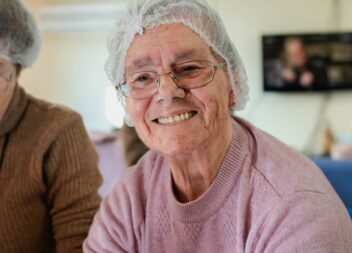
{"type": "Point", "coordinates": [111, 160]}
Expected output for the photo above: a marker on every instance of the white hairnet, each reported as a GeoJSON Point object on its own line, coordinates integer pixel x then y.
{"type": "Point", "coordinates": [19, 36]}
{"type": "Point", "coordinates": [198, 16]}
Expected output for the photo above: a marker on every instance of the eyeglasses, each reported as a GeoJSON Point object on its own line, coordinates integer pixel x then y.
{"type": "Point", "coordinates": [187, 75]}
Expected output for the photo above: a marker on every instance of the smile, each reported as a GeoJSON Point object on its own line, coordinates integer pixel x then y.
{"type": "Point", "coordinates": [176, 118]}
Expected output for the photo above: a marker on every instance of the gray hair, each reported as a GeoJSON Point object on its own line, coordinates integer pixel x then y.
{"type": "Point", "coordinates": [19, 36]}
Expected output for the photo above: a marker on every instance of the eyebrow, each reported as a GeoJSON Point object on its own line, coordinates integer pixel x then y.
{"type": "Point", "coordinates": [184, 55]}
{"type": "Point", "coordinates": [190, 53]}
{"type": "Point", "coordinates": [139, 63]}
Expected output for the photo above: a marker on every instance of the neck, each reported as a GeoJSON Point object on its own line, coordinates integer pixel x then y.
{"type": "Point", "coordinates": [193, 173]}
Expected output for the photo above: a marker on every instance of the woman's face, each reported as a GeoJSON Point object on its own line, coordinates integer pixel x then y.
{"type": "Point", "coordinates": [7, 84]}
{"type": "Point", "coordinates": [206, 108]}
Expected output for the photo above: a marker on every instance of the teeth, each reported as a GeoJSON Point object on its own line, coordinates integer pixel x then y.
{"type": "Point", "coordinates": [176, 118]}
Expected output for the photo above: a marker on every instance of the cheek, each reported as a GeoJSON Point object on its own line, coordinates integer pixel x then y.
{"type": "Point", "coordinates": [136, 113]}
{"type": "Point", "coordinates": [219, 108]}
{"type": "Point", "coordinates": [136, 109]}
{"type": "Point", "coordinates": [212, 107]}
{"type": "Point", "coordinates": [218, 99]}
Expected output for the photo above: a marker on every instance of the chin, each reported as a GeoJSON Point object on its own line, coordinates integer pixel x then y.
{"type": "Point", "coordinates": [181, 146]}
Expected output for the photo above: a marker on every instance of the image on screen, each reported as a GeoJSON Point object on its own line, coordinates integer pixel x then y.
{"type": "Point", "coordinates": [307, 62]}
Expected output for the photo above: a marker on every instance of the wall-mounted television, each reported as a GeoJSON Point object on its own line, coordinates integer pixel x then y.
{"type": "Point", "coordinates": [307, 62]}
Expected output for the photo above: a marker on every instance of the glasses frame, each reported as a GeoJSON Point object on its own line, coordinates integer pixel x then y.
{"type": "Point", "coordinates": [172, 75]}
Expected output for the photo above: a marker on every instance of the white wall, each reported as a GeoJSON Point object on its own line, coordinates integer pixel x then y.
{"type": "Point", "coordinates": [70, 68]}
{"type": "Point", "coordinates": [70, 71]}
{"type": "Point", "coordinates": [290, 117]}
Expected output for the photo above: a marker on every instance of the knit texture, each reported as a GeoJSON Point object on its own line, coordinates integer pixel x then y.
{"type": "Point", "coordinates": [48, 178]}
{"type": "Point", "coordinates": [264, 198]}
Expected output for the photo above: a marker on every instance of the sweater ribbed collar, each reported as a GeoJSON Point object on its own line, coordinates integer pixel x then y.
{"type": "Point", "coordinates": [222, 186]}
{"type": "Point", "coordinates": [14, 111]}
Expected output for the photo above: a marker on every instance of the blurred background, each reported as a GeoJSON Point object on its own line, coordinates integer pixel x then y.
{"type": "Point", "coordinates": [70, 68]}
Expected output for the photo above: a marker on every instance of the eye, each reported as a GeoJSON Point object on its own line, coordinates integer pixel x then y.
{"type": "Point", "coordinates": [142, 79]}
{"type": "Point", "coordinates": [188, 70]}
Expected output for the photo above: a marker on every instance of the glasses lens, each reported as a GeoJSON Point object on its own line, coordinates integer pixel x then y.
{"type": "Point", "coordinates": [193, 74]}
{"type": "Point", "coordinates": [140, 85]}
{"type": "Point", "coordinates": [188, 75]}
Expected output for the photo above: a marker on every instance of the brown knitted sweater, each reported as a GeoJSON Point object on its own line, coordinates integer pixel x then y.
{"type": "Point", "coordinates": [48, 178]}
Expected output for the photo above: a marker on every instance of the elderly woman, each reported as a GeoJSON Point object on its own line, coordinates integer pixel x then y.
{"type": "Point", "coordinates": [48, 167]}
{"type": "Point", "coordinates": [211, 182]}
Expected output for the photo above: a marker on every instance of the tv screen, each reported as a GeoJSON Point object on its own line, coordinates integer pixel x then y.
{"type": "Point", "coordinates": [307, 62]}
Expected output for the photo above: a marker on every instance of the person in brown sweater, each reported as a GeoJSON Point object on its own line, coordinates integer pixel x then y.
{"type": "Point", "coordinates": [48, 166]}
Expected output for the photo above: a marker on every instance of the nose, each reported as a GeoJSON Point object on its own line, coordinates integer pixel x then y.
{"type": "Point", "coordinates": [168, 89]}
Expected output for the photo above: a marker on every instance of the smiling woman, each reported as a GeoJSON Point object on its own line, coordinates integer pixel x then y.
{"type": "Point", "coordinates": [205, 106]}
{"type": "Point", "coordinates": [211, 182]}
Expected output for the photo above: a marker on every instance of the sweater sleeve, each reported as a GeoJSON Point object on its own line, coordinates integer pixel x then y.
{"type": "Point", "coordinates": [119, 224]}
{"type": "Point", "coordinates": [72, 179]}
{"type": "Point", "coordinates": [306, 222]}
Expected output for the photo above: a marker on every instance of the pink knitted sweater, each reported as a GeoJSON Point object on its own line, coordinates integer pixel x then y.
{"type": "Point", "coordinates": [264, 198]}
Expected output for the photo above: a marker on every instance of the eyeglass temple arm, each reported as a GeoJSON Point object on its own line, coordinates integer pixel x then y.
{"type": "Point", "coordinates": [220, 65]}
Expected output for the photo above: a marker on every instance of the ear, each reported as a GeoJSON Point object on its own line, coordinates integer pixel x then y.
{"type": "Point", "coordinates": [232, 101]}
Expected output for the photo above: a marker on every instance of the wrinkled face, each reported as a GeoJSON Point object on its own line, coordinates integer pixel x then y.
{"type": "Point", "coordinates": [7, 80]}
{"type": "Point", "coordinates": [199, 115]}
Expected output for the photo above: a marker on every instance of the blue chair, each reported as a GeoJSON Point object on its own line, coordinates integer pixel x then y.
{"type": "Point", "coordinates": [339, 173]}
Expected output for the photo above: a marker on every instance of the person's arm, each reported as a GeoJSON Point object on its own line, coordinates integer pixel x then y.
{"type": "Point", "coordinates": [306, 222]}
{"type": "Point", "coordinates": [119, 224]}
{"type": "Point", "coordinates": [72, 179]}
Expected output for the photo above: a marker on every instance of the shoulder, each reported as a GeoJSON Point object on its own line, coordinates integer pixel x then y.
{"type": "Point", "coordinates": [132, 192]}
{"type": "Point", "coordinates": [306, 222]}
{"type": "Point", "coordinates": [120, 221]}
{"type": "Point", "coordinates": [46, 121]}
{"type": "Point", "coordinates": [283, 168]}
{"type": "Point", "coordinates": [136, 181]}
{"type": "Point", "coordinates": [51, 113]}
{"type": "Point", "coordinates": [279, 174]}
{"type": "Point", "coordinates": [42, 124]}
{"type": "Point", "coordinates": [289, 194]}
